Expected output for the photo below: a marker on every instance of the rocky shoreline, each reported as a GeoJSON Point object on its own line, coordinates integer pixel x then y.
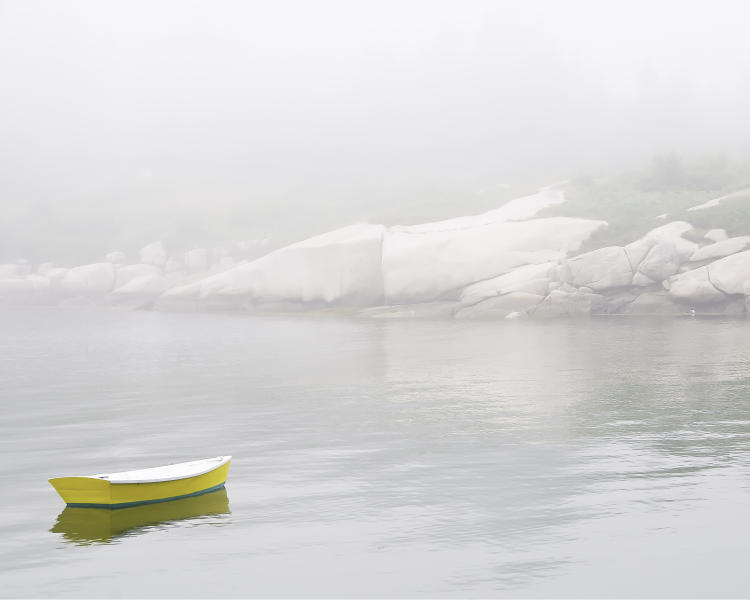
{"type": "Point", "coordinates": [503, 264]}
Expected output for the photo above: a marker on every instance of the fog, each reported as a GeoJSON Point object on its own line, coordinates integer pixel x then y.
{"type": "Point", "coordinates": [124, 122]}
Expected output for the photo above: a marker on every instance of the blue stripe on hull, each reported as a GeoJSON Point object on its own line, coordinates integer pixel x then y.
{"type": "Point", "coordinates": [141, 503]}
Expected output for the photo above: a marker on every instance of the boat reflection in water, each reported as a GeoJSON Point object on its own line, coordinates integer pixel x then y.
{"type": "Point", "coordinates": [102, 525]}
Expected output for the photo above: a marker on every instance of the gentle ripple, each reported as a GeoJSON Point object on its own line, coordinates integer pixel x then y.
{"type": "Point", "coordinates": [380, 458]}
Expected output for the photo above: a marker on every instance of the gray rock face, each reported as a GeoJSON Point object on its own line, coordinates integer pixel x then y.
{"type": "Point", "coordinates": [341, 267]}
{"type": "Point", "coordinates": [640, 280]}
{"type": "Point", "coordinates": [721, 249]}
{"type": "Point", "coordinates": [674, 232]}
{"type": "Point", "coordinates": [436, 261]}
{"type": "Point", "coordinates": [729, 274]}
{"type": "Point", "coordinates": [661, 262]}
{"type": "Point", "coordinates": [564, 304]}
{"type": "Point", "coordinates": [694, 287]}
{"type": "Point", "coordinates": [637, 251]}
{"type": "Point", "coordinates": [601, 269]}
{"type": "Point", "coordinates": [654, 303]}
{"type": "Point", "coordinates": [613, 303]}
{"type": "Point", "coordinates": [500, 307]}
{"type": "Point", "coordinates": [531, 279]}
{"type": "Point", "coordinates": [425, 310]}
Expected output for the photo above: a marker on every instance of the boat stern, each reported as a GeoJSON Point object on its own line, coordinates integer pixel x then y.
{"type": "Point", "coordinates": [82, 491]}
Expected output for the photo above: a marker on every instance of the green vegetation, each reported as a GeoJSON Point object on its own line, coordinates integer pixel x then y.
{"type": "Point", "coordinates": [632, 203]}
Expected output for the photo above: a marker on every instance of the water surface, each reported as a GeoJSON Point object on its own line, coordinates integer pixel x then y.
{"type": "Point", "coordinates": [600, 457]}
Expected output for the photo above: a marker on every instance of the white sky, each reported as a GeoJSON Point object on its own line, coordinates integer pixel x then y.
{"type": "Point", "coordinates": [169, 101]}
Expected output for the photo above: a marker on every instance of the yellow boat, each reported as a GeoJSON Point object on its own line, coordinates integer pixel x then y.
{"type": "Point", "coordinates": [144, 486]}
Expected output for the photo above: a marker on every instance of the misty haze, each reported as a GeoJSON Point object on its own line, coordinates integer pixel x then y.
{"type": "Point", "coordinates": [461, 287]}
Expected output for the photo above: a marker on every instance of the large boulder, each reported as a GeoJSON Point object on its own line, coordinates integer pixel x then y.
{"type": "Point", "coordinates": [694, 287]}
{"type": "Point", "coordinates": [613, 303]}
{"type": "Point", "coordinates": [88, 280]}
{"type": "Point", "coordinates": [654, 303]}
{"type": "Point", "coordinates": [637, 251]}
{"type": "Point", "coordinates": [428, 262]}
{"type": "Point", "coordinates": [641, 280]}
{"type": "Point", "coordinates": [674, 232]}
{"type": "Point", "coordinates": [341, 267]}
{"type": "Point", "coordinates": [426, 310]}
{"type": "Point", "coordinates": [729, 274]}
{"type": "Point", "coordinates": [601, 269]}
{"type": "Point", "coordinates": [499, 307]}
{"type": "Point", "coordinates": [721, 249]}
{"type": "Point", "coordinates": [561, 303]}
{"type": "Point", "coordinates": [661, 262]}
{"type": "Point", "coordinates": [531, 279]}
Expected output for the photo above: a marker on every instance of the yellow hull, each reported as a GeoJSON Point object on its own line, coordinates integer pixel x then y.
{"type": "Point", "coordinates": [92, 492]}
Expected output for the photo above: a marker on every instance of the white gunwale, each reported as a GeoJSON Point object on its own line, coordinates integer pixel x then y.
{"type": "Point", "coordinates": [166, 472]}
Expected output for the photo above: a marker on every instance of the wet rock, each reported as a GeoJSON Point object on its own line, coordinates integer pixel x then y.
{"type": "Point", "coordinates": [425, 310]}
{"type": "Point", "coordinates": [499, 307]}
{"type": "Point", "coordinates": [694, 287]}
{"type": "Point", "coordinates": [654, 303]}
{"type": "Point", "coordinates": [613, 303]}
{"type": "Point", "coordinates": [564, 304]}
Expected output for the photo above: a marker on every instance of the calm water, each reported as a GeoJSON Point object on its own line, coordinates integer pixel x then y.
{"type": "Point", "coordinates": [592, 458]}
